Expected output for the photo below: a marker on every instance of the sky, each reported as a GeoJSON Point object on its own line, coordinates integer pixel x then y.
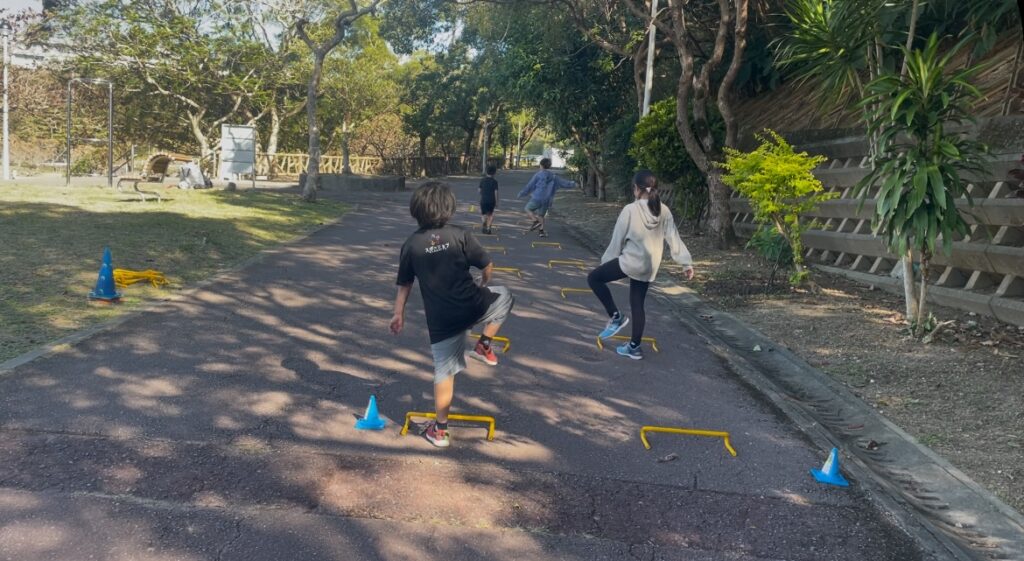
{"type": "Point", "coordinates": [16, 5]}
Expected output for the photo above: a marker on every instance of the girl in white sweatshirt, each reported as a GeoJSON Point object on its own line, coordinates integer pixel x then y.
{"type": "Point", "coordinates": [643, 228]}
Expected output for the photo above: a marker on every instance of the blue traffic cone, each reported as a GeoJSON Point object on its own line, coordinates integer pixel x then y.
{"type": "Point", "coordinates": [372, 419]}
{"type": "Point", "coordinates": [829, 473]}
{"type": "Point", "coordinates": [105, 289]}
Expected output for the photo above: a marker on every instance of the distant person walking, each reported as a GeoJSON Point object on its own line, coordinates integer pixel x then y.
{"type": "Point", "coordinates": [488, 198]}
{"type": "Point", "coordinates": [541, 189]}
{"type": "Point", "coordinates": [641, 232]}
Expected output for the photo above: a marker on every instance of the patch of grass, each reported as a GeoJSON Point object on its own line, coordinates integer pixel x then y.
{"type": "Point", "coordinates": [53, 238]}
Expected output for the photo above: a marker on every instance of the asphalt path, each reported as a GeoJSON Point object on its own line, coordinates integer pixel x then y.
{"type": "Point", "coordinates": [220, 426]}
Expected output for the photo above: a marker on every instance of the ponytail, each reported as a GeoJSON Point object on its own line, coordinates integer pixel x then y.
{"type": "Point", "coordinates": [647, 183]}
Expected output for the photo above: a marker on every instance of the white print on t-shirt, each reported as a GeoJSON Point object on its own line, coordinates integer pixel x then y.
{"type": "Point", "coordinates": [436, 245]}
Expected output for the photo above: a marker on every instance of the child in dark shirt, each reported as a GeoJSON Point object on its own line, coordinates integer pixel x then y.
{"type": "Point", "coordinates": [440, 255]}
{"type": "Point", "coordinates": [488, 197]}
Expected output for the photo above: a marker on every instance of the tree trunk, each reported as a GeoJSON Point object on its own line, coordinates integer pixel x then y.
{"type": "Point", "coordinates": [313, 168]}
{"type": "Point", "coordinates": [909, 294]}
{"type": "Point", "coordinates": [467, 150]}
{"type": "Point", "coordinates": [423, 156]}
{"type": "Point", "coordinates": [922, 302]}
{"type": "Point", "coordinates": [195, 123]}
{"type": "Point", "coordinates": [719, 219]}
{"type": "Point", "coordinates": [346, 168]}
{"type": "Point", "coordinates": [273, 140]}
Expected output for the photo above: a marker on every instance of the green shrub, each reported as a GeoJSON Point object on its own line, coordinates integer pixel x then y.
{"type": "Point", "coordinates": [656, 146]}
{"type": "Point", "coordinates": [780, 185]}
{"type": "Point", "coordinates": [773, 248]}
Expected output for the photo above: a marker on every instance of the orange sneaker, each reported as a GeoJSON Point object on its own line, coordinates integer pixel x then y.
{"type": "Point", "coordinates": [484, 354]}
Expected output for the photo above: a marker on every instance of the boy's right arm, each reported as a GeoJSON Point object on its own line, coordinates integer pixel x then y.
{"type": "Point", "coordinates": [529, 187]}
{"type": "Point", "coordinates": [398, 319]}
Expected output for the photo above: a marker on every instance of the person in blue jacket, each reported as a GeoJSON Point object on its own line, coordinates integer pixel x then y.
{"type": "Point", "coordinates": [541, 189]}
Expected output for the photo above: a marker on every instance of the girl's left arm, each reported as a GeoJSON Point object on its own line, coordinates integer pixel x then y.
{"type": "Point", "coordinates": [680, 254]}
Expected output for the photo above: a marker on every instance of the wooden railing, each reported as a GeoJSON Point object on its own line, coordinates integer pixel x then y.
{"type": "Point", "coordinates": [291, 165]}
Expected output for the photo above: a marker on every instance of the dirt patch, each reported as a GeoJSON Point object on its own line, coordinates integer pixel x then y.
{"type": "Point", "coordinates": [961, 395]}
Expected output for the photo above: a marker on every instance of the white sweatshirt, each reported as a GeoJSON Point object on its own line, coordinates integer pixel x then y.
{"type": "Point", "coordinates": [639, 239]}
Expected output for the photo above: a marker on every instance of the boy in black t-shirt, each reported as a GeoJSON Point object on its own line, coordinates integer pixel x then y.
{"type": "Point", "coordinates": [488, 197]}
{"type": "Point", "coordinates": [440, 255]}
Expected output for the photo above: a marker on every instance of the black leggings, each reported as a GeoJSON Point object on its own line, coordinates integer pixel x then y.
{"type": "Point", "coordinates": [598, 280]}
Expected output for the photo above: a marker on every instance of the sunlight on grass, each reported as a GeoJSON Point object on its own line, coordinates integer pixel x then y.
{"type": "Point", "coordinates": [53, 237]}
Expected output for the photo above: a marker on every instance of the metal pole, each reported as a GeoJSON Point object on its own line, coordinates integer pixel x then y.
{"type": "Point", "coordinates": [483, 164]}
{"type": "Point", "coordinates": [67, 155]}
{"type": "Point", "coordinates": [110, 134]}
{"type": "Point", "coordinates": [7, 131]}
{"type": "Point", "coordinates": [649, 77]}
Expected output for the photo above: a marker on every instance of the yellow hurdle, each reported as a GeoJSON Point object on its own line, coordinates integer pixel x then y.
{"type": "Point", "coordinates": [546, 244]}
{"type": "Point", "coordinates": [570, 262]}
{"type": "Point", "coordinates": [651, 340]}
{"type": "Point", "coordinates": [500, 248]}
{"type": "Point", "coordinates": [693, 432]}
{"type": "Point", "coordinates": [565, 291]}
{"type": "Point", "coordinates": [472, 208]}
{"type": "Point", "coordinates": [508, 344]}
{"type": "Point", "coordinates": [515, 270]}
{"type": "Point", "coordinates": [451, 417]}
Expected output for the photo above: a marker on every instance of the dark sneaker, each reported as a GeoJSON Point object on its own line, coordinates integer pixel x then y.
{"type": "Point", "coordinates": [543, 234]}
{"type": "Point", "coordinates": [437, 437]}
{"type": "Point", "coordinates": [484, 354]}
{"type": "Point", "coordinates": [536, 224]}
{"type": "Point", "coordinates": [613, 326]}
{"type": "Point", "coordinates": [629, 351]}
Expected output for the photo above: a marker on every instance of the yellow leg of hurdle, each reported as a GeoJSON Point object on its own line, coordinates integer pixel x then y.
{"type": "Point", "coordinates": [451, 417]}
{"type": "Point", "coordinates": [693, 432]}
{"type": "Point", "coordinates": [651, 340]}
{"type": "Point", "coordinates": [515, 270]}
{"type": "Point", "coordinates": [508, 344]}
{"type": "Point", "coordinates": [569, 262]}
{"type": "Point", "coordinates": [565, 291]}
{"type": "Point", "coordinates": [500, 248]}
{"type": "Point", "coordinates": [472, 208]}
{"type": "Point", "coordinates": [546, 244]}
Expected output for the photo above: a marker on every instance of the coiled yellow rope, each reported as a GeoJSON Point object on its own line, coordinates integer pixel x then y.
{"type": "Point", "coordinates": [124, 277]}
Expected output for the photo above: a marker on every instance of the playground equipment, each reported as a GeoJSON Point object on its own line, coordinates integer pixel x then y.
{"type": "Point", "coordinates": [567, 262]}
{"type": "Point", "coordinates": [371, 419]}
{"type": "Point", "coordinates": [498, 339]}
{"type": "Point", "coordinates": [651, 340]}
{"type": "Point", "coordinates": [692, 432]}
{"type": "Point", "coordinates": [155, 170]}
{"type": "Point", "coordinates": [515, 270]}
{"type": "Point", "coordinates": [110, 125]}
{"type": "Point", "coordinates": [565, 291]}
{"type": "Point", "coordinates": [451, 417]}
{"type": "Point", "coordinates": [555, 245]}
{"type": "Point", "coordinates": [125, 277]}
{"type": "Point", "coordinates": [105, 290]}
{"type": "Point", "coordinates": [829, 473]}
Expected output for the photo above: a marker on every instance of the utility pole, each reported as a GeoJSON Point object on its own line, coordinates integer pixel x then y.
{"type": "Point", "coordinates": [5, 30]}
{"type": "Point", "coordinates": [649, 75]}
{"type": "Point", "coordinates": [483, 163]}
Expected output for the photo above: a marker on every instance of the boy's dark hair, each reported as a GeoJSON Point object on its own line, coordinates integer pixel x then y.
{"type": "Point", "coordinates": [646, 181]}
{"type": "Point", "coordinates": [432, 205]}
{"type": "Point", "coordinates": [545, 163]}
{"type": "Point", "coordinates": [492, 169]}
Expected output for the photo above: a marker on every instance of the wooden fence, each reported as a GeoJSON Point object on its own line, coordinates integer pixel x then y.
{"type": "Point", "coordinates": [291, 166]}
{"type": "Point", "coordinates": [983, 274]}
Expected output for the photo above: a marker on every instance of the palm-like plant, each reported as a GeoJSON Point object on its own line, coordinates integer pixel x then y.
{"type": "Point", "coordinates": [919, 165]}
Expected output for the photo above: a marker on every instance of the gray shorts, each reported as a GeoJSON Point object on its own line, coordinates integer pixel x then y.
{"type": "Point", "coordinates": [538, 208]}
{"type": "Point", "coordinates": [450, 354]}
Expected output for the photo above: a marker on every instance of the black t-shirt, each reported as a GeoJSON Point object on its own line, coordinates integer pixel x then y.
{"type": "Point", "coordinates": [488, 190]}
{"type": "Point", "coordinates": [440, 258]}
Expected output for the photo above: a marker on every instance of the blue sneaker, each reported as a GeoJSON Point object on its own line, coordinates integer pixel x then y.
{"type": "Point", "coordinates": [628, 350]}
{"type": "Point", "coordinates": [614, 326]}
